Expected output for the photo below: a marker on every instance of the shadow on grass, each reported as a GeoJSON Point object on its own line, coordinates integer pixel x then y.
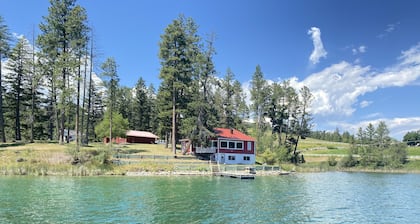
{"type": "Point", "coordinates": [4, 145]}
{"type": "Point", "coordinates": [132, 151]}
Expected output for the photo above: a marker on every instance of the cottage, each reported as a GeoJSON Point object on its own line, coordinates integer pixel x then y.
{"type": "Point", "coordinates": [230, 147]}
{"type": "Point", "coordinates": [141, 137]}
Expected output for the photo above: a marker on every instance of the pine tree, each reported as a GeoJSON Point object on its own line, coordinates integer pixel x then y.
{"type": "Point", "coordinates": [142, 107]}
{"type": "Point", "coordinates": [178, 51]}
{"type": "Point", "coordinates": [259, 99]}
{"type": "Point", "coordinates": [228, 103]}
{"type": "Point", "coordinates": [200, 121]}
{"type": "Point", "coordinates": [18, 96]}
{"type": "Point", "coordinates": [381, 135]}
{"type": "Point", "coordinates": [151, 97]}
{"type": "Point", "coordinates": [4, 49]}
{"type": "Point", "coordinates": [124, 103]}
{"type": "Point", "coordinates": [370, 133]}
{"type": "Point", "coordinates": [241, 110]}
{"type": "Point", "coordinates": [109, 73]}
{"type": "Point", "coordinates": [63, 37]}
{"type": "Point", "coordinates": [96, 111]}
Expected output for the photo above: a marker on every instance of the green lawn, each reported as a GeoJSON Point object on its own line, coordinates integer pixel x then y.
{"type": "Point", "coordinates": [413, 151]}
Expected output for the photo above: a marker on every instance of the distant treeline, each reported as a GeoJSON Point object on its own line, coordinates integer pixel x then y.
{"type": "Point", "coordinates": [335, 136]}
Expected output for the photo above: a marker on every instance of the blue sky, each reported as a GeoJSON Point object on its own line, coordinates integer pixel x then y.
{"type": "Point", "coordinates": [361, 59]}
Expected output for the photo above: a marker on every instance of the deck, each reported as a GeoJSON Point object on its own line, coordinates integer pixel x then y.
{"type": "Point", "coordinates": [235, 175]}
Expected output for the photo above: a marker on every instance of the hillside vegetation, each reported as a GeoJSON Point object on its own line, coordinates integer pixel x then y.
{"type": "Point", "coordinates": [97, 159]}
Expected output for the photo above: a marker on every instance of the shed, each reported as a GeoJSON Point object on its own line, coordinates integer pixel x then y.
{"type": "Point", "coordinates": [141, 137]}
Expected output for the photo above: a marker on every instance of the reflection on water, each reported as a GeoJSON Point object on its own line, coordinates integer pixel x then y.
{"type": "Point", "coordinates": [299, 198]}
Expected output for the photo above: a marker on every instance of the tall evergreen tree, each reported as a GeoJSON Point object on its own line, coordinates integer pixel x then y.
{"type": "Point", "coordinates": [370, 133]}
{"type": "Point", "coordinates": [178, 51]}
{"type": "Point", "coordinates": [4, 49]}
{"type": "Point", "coordinates": [277, 111]}
{"type": "Point", "coordinates": [228, 103]}
{"type": "Point", "coordinates": [200, 121]}
{"type": "Point", "coordinates": [164, 112]}
{"type": "Point", "coordinates": [381, 135]}
{"type": "Point", "coordinates": [96, 111]}
{"type": "Point", "coordinates": [90, 120]}
{"type": "Point", "coordinates": [151, 96]}
{"type": "Point", "coordinates": [241, 110]}
{"type": "Point", "coordinates": [259, 99]}
{"type": "Point", "coordinates": [18, 79]}
{"type": "Point", "coordinates": [141, 107]}
{"type": "Point", "coordinates": [109, 73]}
{"type": "Point", "coordinates": [124, 104]}
{"type": "Point", "coordinates": [62, 37]}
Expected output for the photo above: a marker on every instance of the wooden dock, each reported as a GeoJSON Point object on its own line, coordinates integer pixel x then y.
{"type": "Point", "coordinates": [235, 175]}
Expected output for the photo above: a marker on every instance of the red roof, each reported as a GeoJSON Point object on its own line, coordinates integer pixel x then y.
{"type": "Point", "coordinates": [232, 134]}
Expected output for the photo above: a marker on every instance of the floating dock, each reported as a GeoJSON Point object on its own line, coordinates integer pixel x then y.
{"type": "Point", "coordinates": [235, 175]}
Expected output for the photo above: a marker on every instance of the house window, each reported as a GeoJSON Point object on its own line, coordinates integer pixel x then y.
{"type": "Point", "coordinates": [247, 158]}
{"type": "Point", "coordinates": [231, 158]}
{"type": "Point", "coordinates": [215, 144]}
{"type": "Point", "coordinates": [239, 145]}
{"type": "Point", "coordinates": [249, 146]}
{"type": "Point", "coordinates": [223, 144]}
{"type": "Point", "coordinates": [231, 145]}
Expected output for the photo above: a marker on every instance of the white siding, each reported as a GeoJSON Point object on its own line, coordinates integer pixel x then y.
{"type": "Point", "coordinates": [235, 158]}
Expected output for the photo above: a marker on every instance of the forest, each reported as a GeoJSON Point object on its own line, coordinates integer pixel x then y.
{"type": "Point", "coordinates": [49, 88]}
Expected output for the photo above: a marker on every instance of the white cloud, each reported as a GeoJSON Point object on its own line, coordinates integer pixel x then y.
{"type": "Point", "coordinates": [359, 50]}
{"type": "Point", "coordinates": [337, 88]}
{"type": "Point", "coordinates": [389, 29]}
{"type": "Point", "coordinates": [319, 51]}
{"type": "Point", "coordinates": [365, 103]}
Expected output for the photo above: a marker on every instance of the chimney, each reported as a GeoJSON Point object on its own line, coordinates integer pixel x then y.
{"type": "Point", "coordinates": [231, 131]}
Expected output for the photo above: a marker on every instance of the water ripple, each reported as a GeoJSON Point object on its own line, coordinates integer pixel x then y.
{"type": "Point", "coordinates": [300, 198]}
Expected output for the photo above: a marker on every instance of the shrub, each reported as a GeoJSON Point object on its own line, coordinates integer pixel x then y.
{"type": "Point", "coordinates": [332, 161]}
{"type": "Point", "coordinates": [269, 157]}
{"type": "Point", "coordinates": [348, 161]}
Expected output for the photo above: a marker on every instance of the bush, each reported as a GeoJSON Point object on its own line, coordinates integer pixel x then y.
{"type": "Point", "coordinates": [283, 154]}
{"type": "Point", "coordinates": [332, 161]}
{"type": "Point", "coordinates": [269, 157]}
{"type": "Point", "coordinates": [348, 161]}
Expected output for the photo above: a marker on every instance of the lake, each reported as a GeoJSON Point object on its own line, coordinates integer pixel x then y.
{"type": "Point", "coordinates": [334, 197]}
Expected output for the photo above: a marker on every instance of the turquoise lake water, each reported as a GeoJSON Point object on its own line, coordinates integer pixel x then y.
{"type": "Point", "coordinates": [299, 198]}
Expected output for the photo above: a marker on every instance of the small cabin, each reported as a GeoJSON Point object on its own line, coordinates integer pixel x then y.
{"type": "Point", "coordinates": [141, 137]}
{"type": "Point", "coordinates": [230, 146]}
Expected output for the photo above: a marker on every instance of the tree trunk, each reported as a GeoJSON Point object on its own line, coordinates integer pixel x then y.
{"type": "Point", "coordinates": [83, 99]}
{"type": "Point", "coordinates": [33, 85]}
{"type": "Point", "coordinates": [78, 107]}
{"type": "Point", "coordinates": [3, 134]}
{"type": "Point", "coordinates": [166, 140]}
{"type": "Point", "coordinates": [173, 122]}
{"type": "Point", "coordinates": [64, 92]}
{"type": "Point", "coordinates": [90, 93]}
{"type": "Point", "coordinates": [110, 128]}
{"type": "Point", "coordinates": [17, 109]}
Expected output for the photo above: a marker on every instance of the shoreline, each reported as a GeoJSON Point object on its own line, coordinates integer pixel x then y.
{"type": "Point", "coordinates": [207, 173]}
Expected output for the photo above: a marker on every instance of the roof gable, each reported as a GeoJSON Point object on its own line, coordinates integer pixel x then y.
{"type": "Point", "coordinates": [232, 134]}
